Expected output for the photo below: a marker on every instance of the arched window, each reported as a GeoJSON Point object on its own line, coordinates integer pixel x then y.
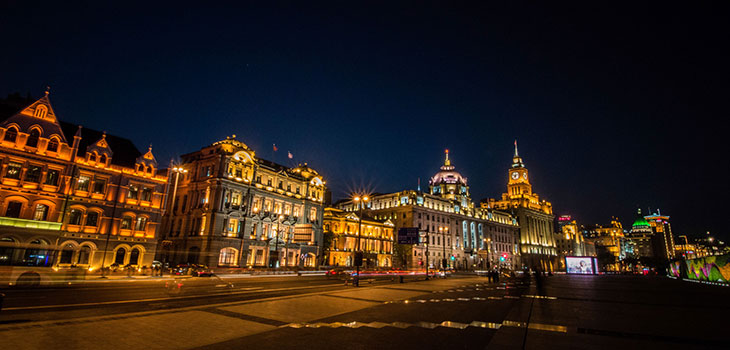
{"type": "Point", "coordinates": [92, 157]}
{"type": "Point", "coordinates": [41, 212]}
{"type": "Point", "coordinates": [11, 134]}
{"type": "Point", "coordinates": [102, 159]}
{"type": "Point", "coordinates": [74, 218]}
{"type": "Point", "coordinates": [53, 145]}
{"type": "Point", "coordinates": [84, 254]}
{"type": "Point", "coordinates": [6, 251]}
{"type": "Point", "coordinates": [92, 219]}
{"type": "Point", "coordinates": [40, 111]}
{"type": "Point", "coordinates": [37, 255]}
{"type": "Point", "coordinates": [228, 256]}
{"type": "Point", "coordinates": [134, 257]}
{"type": "Point", "coordinates": [67, 254]}
{"type": "Point", "coordinates": [13, 210]}
{"type": "Point", "coordinates": [33, 138]}
{"type": "Point", "coordinates": [119, 256]}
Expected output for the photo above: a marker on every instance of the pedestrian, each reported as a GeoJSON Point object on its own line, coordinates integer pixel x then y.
{"type": "Point", "coordinates": [496, 276]}
{"type": "Point", "coordinates": [489, 276]}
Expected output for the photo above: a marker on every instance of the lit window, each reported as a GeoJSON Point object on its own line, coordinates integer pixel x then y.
{"type": "Point", "coordinates": [133, 192]}
{"type": "Point", "coordinates": [13, 171]}
{"type": "Point", "coordinates": [141, 223]}
{"type": "Point", "coordinates": [74, 217]}
{"type": "Point", "coordinates": [83, 183]}
{"type": "Point", "coordinates": [41, 212]}
{"type": "Point", "coordinates": [126, 223]}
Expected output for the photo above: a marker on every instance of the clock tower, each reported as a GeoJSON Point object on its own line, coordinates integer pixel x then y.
{"type": "Point", "coordinates": [518, 183]}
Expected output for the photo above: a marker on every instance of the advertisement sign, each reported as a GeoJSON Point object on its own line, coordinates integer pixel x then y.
{"type": "Point", "coordinates": [585, 265]}
{"type": "Point", "coordinates": [408, 235]}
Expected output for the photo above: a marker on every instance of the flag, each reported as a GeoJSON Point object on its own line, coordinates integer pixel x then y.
{"type": "Point", "coordinates": [275, 148]}
{"type": "Point", "coordinates": [289, 155]}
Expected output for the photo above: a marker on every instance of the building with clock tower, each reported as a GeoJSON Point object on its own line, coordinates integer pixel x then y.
{"type": "Point", "coordinates": [534, 215]}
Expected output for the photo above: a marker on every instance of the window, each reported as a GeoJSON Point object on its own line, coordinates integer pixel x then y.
{"type": "Point", "coordinates": [228, 256]}
{"type": "Point", "coordinates": [119, 256]}
{"type": "Point", "coordinates": [133, 192]}
{"type": "Point", "coordinates": [67, 254]}
{"type": "Point", "coordinates": [141, 223]}
{"type": "Point", "coordinates": [83, 183]}
{"type": "Point", "coordinates": [146, 194]}
{"type": "Point", "coordinates": [74, 218]}
{"type": "Point", "coordinates": [33, 174]}
{"type": "Point", "coordinates": [84, 254]}
{"type": "Point", "coordinates": [13, 171]}
{"type": "Point", "coordinates": [52, 177]}
{"type": "Point", "coordinates": [99, 186]}
{"type": "Point", "coordinates": [297, 189]}
{"type": "Point", "coordinates": [268, 182]}
{"type": "Point", "coordinates": [126, 222]}
{"type": "Point", "coordinates": [296, 211]}
{"type": "Point", "coordinates": [102, 159]}
{"type": "Point", "coordinates": [40, 111]}
{"type": "Point", "coordinates": [13, 210]}
{"type": "Point", "coordinates": [92, 219]}
{"type": "Point", "coordinates": [33, 138]}
{"type": "Point", "coordinates": [52, 145]}
{"type": "Point", "coordinates": [313, 214]}
{"type": "Point", "coordinates": [134, 257]}
{"type": "Point", "coordinates": [281, 185]}
{"type": "Point", "coordinates": [41, 212]}
{"type": "Point", "coordinates": [11, 134]}
{"type": "Point", "coordinates": [232, 227]}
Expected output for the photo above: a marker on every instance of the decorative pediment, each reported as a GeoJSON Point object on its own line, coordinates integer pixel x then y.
{"type": "Point", "coordinates": [147, 159]}
{"type": "Point", "coordinates": [352, 216]}
{"type": "Point", "coordinates": [39, 116]}
{"type": "Point", "coordinates": [41, 109]}
{"type": "Point", "coordinates": [99, 148]}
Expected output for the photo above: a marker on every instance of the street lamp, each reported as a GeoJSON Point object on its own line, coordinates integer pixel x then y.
{"type": "Point", "coordinates": [443, 231]}
{"type": "Point", "coordinates": [358, 253]}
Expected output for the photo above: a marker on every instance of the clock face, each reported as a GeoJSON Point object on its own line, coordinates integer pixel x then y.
{"type": "Point", "coordinates": [515, 176]}
{"type": "Point", "coordinates": [525, 176]}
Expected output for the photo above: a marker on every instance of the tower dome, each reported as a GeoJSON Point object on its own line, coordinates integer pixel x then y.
{"type": "Point", "coordinates": [447, 175]}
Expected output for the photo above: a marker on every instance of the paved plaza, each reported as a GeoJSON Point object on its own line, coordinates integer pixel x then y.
{"type": "Point", "coordinates": [577, 312]}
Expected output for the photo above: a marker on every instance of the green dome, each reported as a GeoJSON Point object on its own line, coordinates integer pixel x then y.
{"type": "Point", "coordinates": [641, 222]}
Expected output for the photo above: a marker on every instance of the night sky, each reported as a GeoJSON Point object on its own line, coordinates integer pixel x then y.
{"type": "Point", "coordinates": [612, 107]}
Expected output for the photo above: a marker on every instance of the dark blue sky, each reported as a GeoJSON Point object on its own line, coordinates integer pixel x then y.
{"type": "Point", "coordinates": [613, 107]}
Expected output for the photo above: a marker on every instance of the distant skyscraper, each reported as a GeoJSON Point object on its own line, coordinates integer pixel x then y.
{"type": "Point", "coordinates": [663, 240]}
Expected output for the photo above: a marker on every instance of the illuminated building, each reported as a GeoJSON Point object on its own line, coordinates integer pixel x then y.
{"type": "Point", "coordinates": [662, 240]}
{"type": "Point", "coordinates": [376, 240]}
{"type": "Point", "coordinates": [75, 198]}
{"type": "Point", "coordinates": [641, 235]}
{"type": "Point", "coordinates": [233, 209]}
{"type": "Point", "coordinates": [608, 241]}
{"type": "Point", "coordinates": [467, 237]}
{"type": "Point", "coordinates": [535, 217]}
{"type": "Point", "coordinates": [568, 240]}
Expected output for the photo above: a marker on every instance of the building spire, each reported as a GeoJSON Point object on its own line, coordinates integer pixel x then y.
{"type": "Point", "coordinates": [447, 162]}
{"type": "Point", "coordinates": [516, 154]}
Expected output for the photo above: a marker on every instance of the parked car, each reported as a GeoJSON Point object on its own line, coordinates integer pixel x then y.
{"type": "Point", "coordinates": [204, 283]}
{"type": "Point", "coordinates": [190, 270]}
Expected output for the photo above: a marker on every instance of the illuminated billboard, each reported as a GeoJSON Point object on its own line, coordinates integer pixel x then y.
{"type": "Point", "coordinates": [584, 265]}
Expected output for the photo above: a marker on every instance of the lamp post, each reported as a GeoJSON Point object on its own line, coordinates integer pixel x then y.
{"type": "Point", "coordinates": [444, 231]}
{"type": "Point", "coordinates": [361, 203]}
{"type": "Point", "coordinates": [426, 254]}
{"type": "Point", "coordinates": [276, 243]}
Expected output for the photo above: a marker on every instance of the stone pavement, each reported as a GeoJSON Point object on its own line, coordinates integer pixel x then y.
{"type": "Point", "coordinates": [198, 326]}
{"type": "Point", "coordinates": [618, 312]}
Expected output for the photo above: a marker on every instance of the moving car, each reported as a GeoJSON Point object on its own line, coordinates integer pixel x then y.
{"type": "Point", "coordinates": [204, 283]}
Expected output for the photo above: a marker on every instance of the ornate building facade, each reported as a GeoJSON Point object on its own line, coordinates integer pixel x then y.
{"type": "Point", "coordinates": [568, 240]}
{"type": "Point", "coordinates": [535, 217]}
{"type": "Point", "coordinates": [231, 209]}
{"type": "Point", "coordinates": [376, 239]}
{"type": "Point", "coordinates": [663, 239]}
{"type": "Point", "coordinates": [74, 198]}
{"type": "Point", "coordinates": [451, 228]}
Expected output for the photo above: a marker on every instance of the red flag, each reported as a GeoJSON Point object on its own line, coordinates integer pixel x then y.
{"type": "Point", "coordinates": [275, 148]}
{"type": "Point", "coordinates": [289, 155]}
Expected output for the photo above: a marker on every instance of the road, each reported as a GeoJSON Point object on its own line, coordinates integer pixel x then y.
{"type": "Point", "coordinates": [460, 312]}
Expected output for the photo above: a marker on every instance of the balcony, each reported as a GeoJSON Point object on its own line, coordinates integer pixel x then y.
{"type": "Point", "coordinates": [23, 223]}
